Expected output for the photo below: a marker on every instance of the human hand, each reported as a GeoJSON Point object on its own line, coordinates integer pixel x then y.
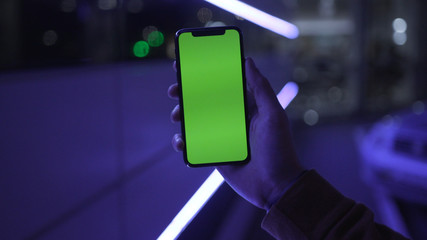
{"type": "Point", "coordinates": [273, 164]}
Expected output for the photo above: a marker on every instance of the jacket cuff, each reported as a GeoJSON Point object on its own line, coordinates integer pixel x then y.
{"type": "Point", "coordinates": [306, 204]}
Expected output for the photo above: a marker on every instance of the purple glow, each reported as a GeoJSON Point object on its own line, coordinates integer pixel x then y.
{"type": "Point", "coordinates": [287, 94]}
{"type": "Point", "coordinates": [258, 17]}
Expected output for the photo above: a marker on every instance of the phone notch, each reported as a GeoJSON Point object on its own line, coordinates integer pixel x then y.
{"type": "Point", "coordinates": [208, 32]}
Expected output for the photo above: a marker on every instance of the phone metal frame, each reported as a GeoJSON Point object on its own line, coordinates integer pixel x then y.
{"type": "Point", "coordinates": [209, 31]}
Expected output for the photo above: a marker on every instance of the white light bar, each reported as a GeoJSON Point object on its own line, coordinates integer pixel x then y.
{"type": "Point", "coordinates": [287, 94]}
{"type": "Point", "coordinates": [258, 17]}
{"type": "Point", "coordinates": [213, 182]}
{"type": "Point", "coordinates": [193, 206]}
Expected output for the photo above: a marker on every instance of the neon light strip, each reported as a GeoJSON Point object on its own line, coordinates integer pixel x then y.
{"type": "Point", "coordinates": [258, 17]}
{"type": "Point", "coordinates": [193, 206]}
{"type": "Point", "coordinates": [287, 94]}
{"type": "Point", "coordinates": [213, 182]}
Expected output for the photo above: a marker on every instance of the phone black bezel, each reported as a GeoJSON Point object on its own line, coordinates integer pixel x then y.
{"type": "Point", "coordinates": [208, 31]}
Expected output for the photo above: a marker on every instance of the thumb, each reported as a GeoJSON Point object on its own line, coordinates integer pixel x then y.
{"type": "Point", "coordinates": [259, 86]}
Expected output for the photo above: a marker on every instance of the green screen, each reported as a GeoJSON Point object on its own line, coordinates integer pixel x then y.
{"type": "Point", "coordinates": [213, 98]}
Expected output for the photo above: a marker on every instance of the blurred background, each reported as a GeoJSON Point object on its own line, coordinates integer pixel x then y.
{"type": "Point", "coordinates": [84, 116]}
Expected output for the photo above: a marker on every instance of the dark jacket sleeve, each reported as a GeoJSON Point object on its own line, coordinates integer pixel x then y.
{"type": "Point", "coordinates": [313, 209]}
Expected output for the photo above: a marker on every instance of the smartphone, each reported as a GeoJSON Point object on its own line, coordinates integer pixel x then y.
{"type": "Point", "coordinates": [211, 79]}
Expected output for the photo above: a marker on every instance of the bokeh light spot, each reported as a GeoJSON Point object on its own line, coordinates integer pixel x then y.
{"type": "Point", "coordinates": [68, 5]}
{"type": "Point", "coordinates": [204, 15]}
{"type": "Point", "coordinates": [170, 50]}
{"type": "Point", "coordinates": [311, 117]}
{"type": "Point", "coordinates": [300, 74]}
{"type": "Point", "coordinates": [215, 24]}
{"type": "Point", "coordinates": [141, 49]}
{"type": "Point", "coordinates": [135, 6]}
{"type": "Point", "coordinates": [399, 25]}
{"type": "Point", "coordinates": [147, 30]}
{"type": "Point", "coordinates": [107, 4]}
{"type": "Point", "coordinates": [399, 38]}
{"type": "Point", "coordinates": [335, 94]}
{"type": "Point", "coordinates": [418, 107]}
{"type": "Point", "coordinates": [155, 39]}
{"type": "Point", "coordinates": [50, 38]}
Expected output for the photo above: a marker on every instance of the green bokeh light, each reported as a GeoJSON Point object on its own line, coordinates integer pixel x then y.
{"type": "Point", "coordinates": [155, 39]}
{"type": "Point", "coordinates": [141, 49]}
